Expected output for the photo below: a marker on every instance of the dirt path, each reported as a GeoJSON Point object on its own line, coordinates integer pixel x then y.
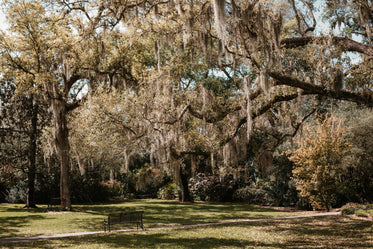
{"type": "Point", "coordinates": [64, 235]}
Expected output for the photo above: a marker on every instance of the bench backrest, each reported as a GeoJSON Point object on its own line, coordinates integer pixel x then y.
{"type": "Point", "coordinates": [128, 216]}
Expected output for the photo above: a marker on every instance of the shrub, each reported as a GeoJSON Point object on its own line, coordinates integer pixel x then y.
{"type": "Point", "coordinates": [211, 188]}
{"type": "Point", "coordinates": [46, 186]}
{"type": "Point", "coordinates": [251, 194]}
{"type": "Point", "coordinates": [199, 186]}
{"type": "Point", "coordinates": [369, 206]}
{"type": "Point", "coordinates": [89, 190]}
{"type": "Point", "coordinates": [114, 189]}
{"type": "Point", "coordinates": [16, 194]}
{"type": "Point", "coordinates": [169, 192]}
{"type": "Point", "coordinates": [281, 193]}
{"type": "Point", "coordinates": [303, 203]}
{"type": "Point", "coordinates": [318, 162]}
{"type": "Point", "coordinates": [357, 209]}
{"type": "Point", "coordinates": [148, 180]}
{"type": "Point", "coordinates": [361, 213]}
{"type": "Point", "coordinates": [349, 208]}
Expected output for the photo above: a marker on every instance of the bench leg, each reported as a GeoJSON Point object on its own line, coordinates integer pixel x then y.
{"type": "Point", "coordinates": [106, 225]}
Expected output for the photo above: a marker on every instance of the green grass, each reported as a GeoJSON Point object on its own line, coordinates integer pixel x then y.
{"type": "Point", "coordinates": [16, 221]}
{"type": "Point", "coordinates": [361, 213]}
{"type": "Point", "coordinates": [370, 212]}
{"type": "Point", "coordinates": [320, 232]}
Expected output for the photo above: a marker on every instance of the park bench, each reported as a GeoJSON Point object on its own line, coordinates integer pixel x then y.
{"type": "Point", "coordinates": [124, 217]}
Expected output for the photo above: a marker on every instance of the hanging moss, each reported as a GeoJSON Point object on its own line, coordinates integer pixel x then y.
{"type": "Point", "coordinates": [219, 15]}
{"type": "Point", "coordinates": [276, 25]}
{"type": "Point", "coordinates": [249, 123]}
{"type": "Point", "coordinates": [157, 54]}
{"type": "Point", "coordinates": [264, 82]}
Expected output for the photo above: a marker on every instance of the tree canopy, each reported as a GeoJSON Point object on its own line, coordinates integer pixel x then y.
{"type": "Point", "coordinates": [185, 81]}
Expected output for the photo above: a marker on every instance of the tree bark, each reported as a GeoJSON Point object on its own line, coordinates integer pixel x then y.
{"type": "Point", "coordinates": [183, 176]}
{"type": "Point", "coordinates": [185, 193]}
{"type": "Point", "coordinates": [344, 42]}
{"type": "Point", "coordinates": [30, 196]}
{"type": "Point", "coordinates": [61, 137]}
{"type": "Point", "coordinates": [309, 88]}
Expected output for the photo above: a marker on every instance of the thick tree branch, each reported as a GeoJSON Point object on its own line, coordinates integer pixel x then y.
{"type": "Point", "coordinates": [346, 43]}
{"type": "Point", "coordinates": [258, 112]}
{"type": "Point", "coordinates": [213, 118]}
{"type": "Point", "coordinates": [221, 115]}
{"type": "Point", "coordinates": [118, 121]}
{"type": "Point", "coordinates": [268, 105]}
{"type": "Point", "coordinates": [75, 104]}
{"type": "Point", "coordinates": [180, 154]}
{"type": "Point", "coordinates": [308, 88]}
{"type": "Point", "coordinates": [178, 118]}
{"type": "Point", "coordinates": [296, 127]}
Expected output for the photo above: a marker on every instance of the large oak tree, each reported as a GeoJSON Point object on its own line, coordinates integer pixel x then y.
{"type": "Point", "coordinates": [223, 69]}
{"type": "Point", "coordinates": [48, 53]}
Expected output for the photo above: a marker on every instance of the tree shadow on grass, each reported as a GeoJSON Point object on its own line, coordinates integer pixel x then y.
{"type": "Point", "coordinates": [158, 240]}
{"type": "Point", "coordinates": [10, 225]}
{"type": "Point", "coordinates": [158, 205]}
{"type": "Point", "coordinates": [157, 213]}
{"type": "Point", "coordinates": [328, 232]}
{"type": "Point", "coordinates": [165, 213]}
{"type": "Point", "coordinates": [194, 213]}
{"type": "Point", "coordinates": [17, 221]}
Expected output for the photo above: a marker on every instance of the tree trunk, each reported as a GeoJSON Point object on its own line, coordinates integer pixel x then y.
{"type": "Point", "coordinates": [30, 193]}
{"type": "Point", "coordinates": [61, 139]}
{"type": "Point", "coordinates": [185, 194]}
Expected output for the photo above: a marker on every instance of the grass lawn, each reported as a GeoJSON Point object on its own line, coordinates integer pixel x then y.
{"type": "Point", "coordinates": [318, 232]}
{"type": "Point", "coordinates": [16, 221]}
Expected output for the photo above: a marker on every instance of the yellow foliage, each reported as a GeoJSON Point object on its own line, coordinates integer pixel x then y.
{"type": "Point", "coordinates": [318, 161]}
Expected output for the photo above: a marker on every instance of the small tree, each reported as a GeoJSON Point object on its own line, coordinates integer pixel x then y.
{"type": "Point", "coordinates": [318, 161]}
